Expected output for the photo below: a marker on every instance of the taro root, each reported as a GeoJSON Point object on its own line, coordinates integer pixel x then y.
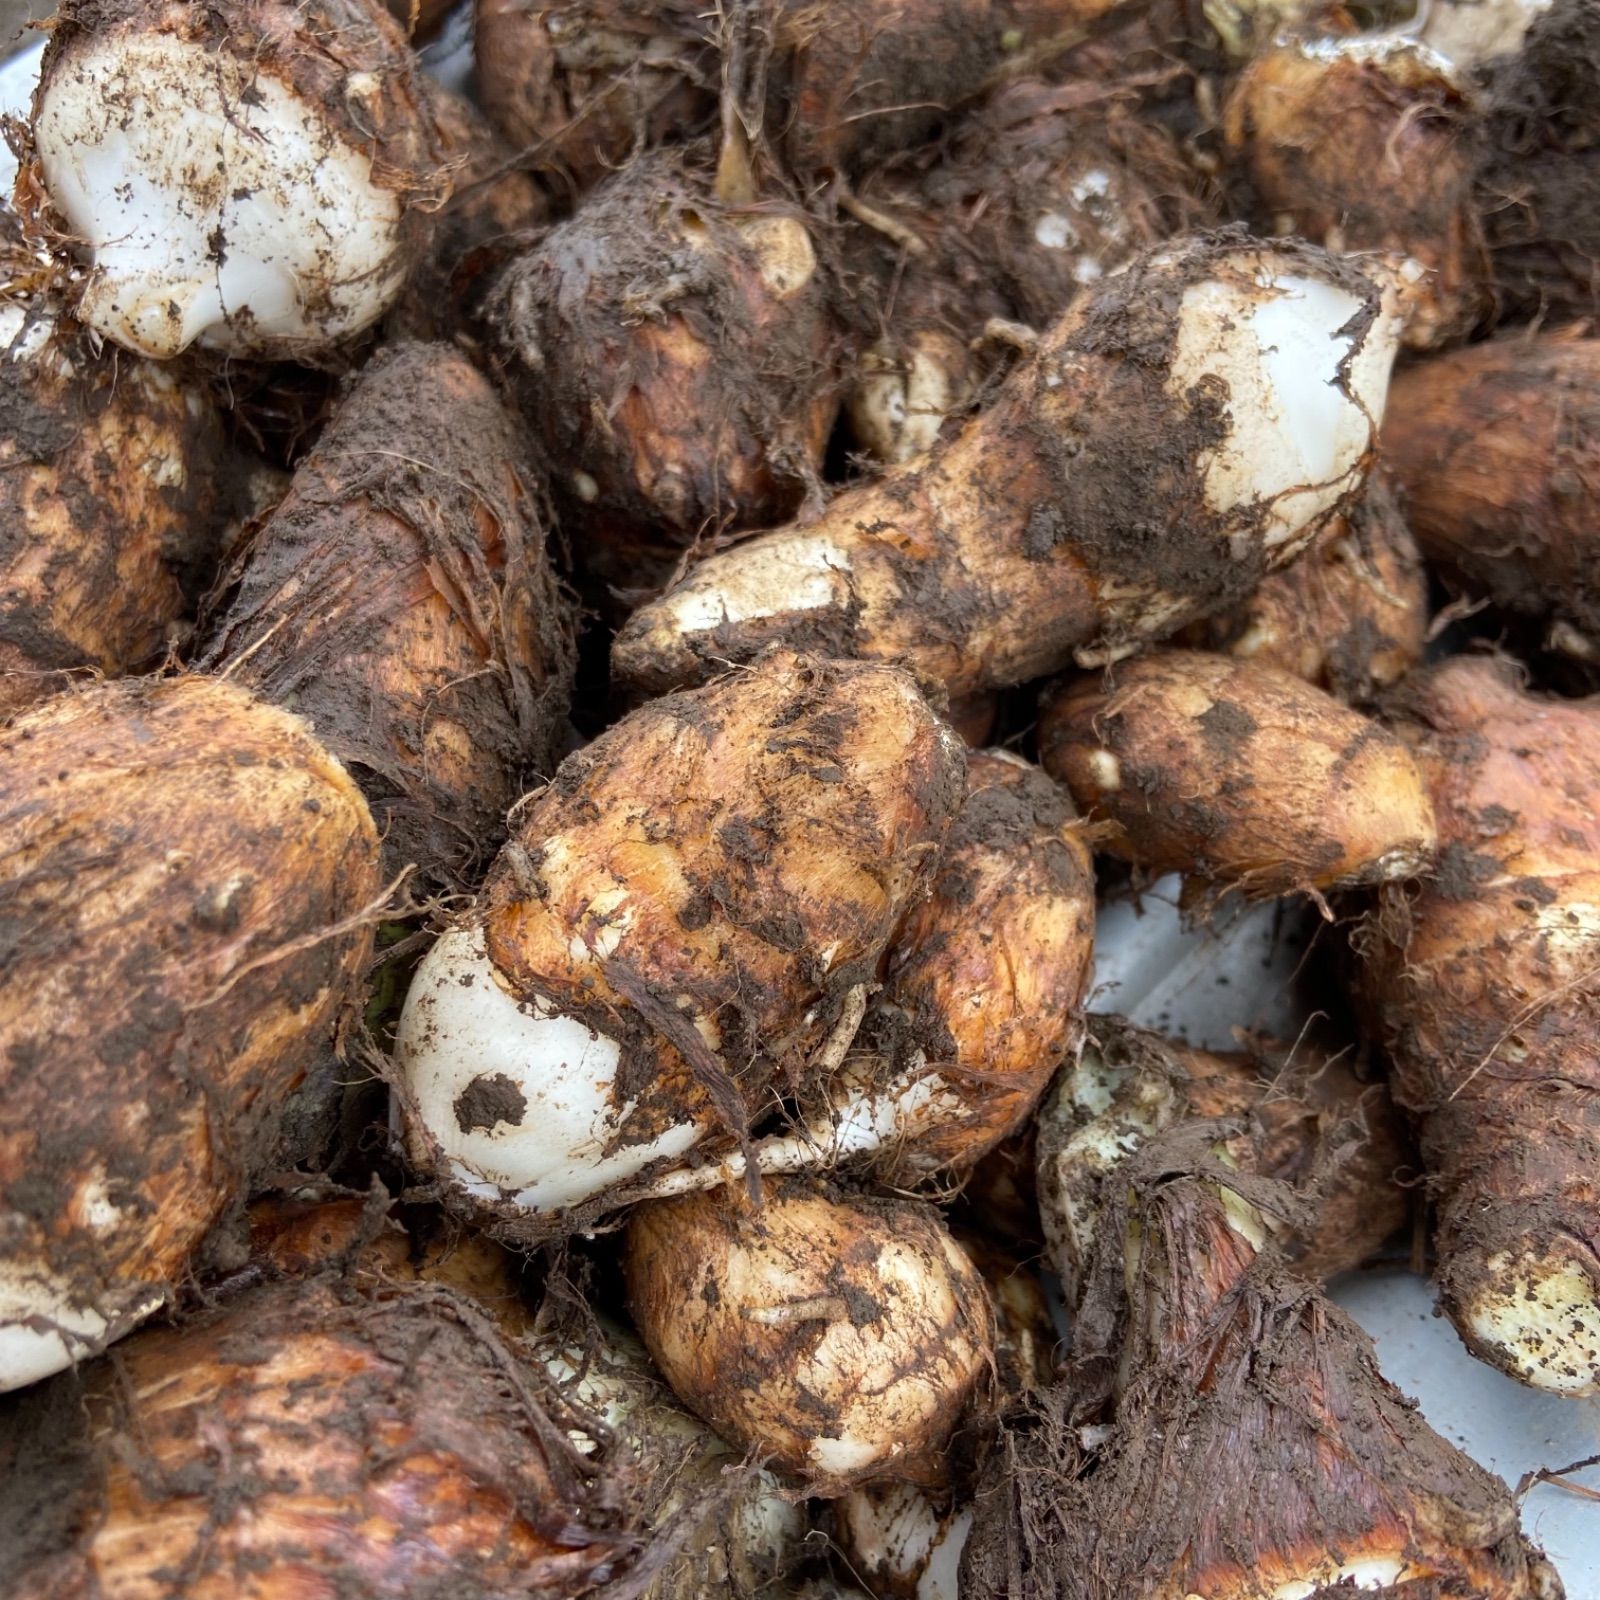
{"type": "Point", "coordinates": [746, 1529]}
{"type": "Point", "coordinates": [840, 1339]}
{"type": "Point", "coordinates": [1038, 197]}
{"type": "Point", "coordinates": [1473, 34]}
{"type": "Point", "coordinates": [580, 86]}
{"type": "Point", "coordinates": [1398, 179]}
{"type": "Point", "coordinates": [399, 598]}
{"type": "Point", "coordinates": [671, 350]}
{"type": "Point", "coordinates": [1539, 188]}
{"type": "Point", "coordinates": [1497, 451]}
{"type": "Point", "coordinates": [693, 907]}
{"type": "Point", "coordinates": [903, 1541]}
{"type": "Point", "coordinates": [1350, 616]}
{"type": "Point", "coordinates": [851, 85]}
{"type": "Point", "coordinates": [109, 506]}
{"type": "Point", "coordinates": [1237, 774]}
{"type": "Point", "coordinates": [1302, 1117]}
{"type": "Point", "coordinates": [1178, 434]}
{"type": "Point", "coordinates": [1483, 986]}
{"type": "Point", "coordinates": [187, 881]}
{"type": "Point", "coordinates": [1248, 1447]}
{"type": "Point", "coordinates": [493, 207]}
{"type": "Point", "coordinates": [313, 1438]}
{"type": "Point", "coordinates": [981, 1000]}
{"type": "Point", "coordinates": [251, 176]}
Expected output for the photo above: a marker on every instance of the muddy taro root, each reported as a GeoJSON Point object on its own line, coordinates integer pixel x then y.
{"type": "Point", "coordinates": [252, 176]}
{"type": "Point", "coordinates": [187, 878]}
{"type": "Point", "coordinates": [1178, 434]}
{"type": "Point", "coordinates": [399, 598]}
{"type": "Point", "coordinates": [690, 912]}
{"type": "Point", "coordinates": [671, 350]}
{"type": "Point", "coordinates": [1238, 774]}
{"type": "Point", "coordinates": [110, 505]}
{"type": "Point", "coordinates": [1497, 451]}
{"type": "Point", "coordinates": [1482, 982]}
{"type": "Point", "coordinates": [840, 1337]}
{"type": "Point", "coordinates": [315, 1437]}
{"type": "Point", "coordinates": [1303, 1117]}
{"type": "Point", "coordinates": [1226, 1432]}
{"type": "Point", "coordinates": [1398, 180]}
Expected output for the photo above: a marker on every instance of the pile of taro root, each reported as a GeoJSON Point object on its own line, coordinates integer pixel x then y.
{"type": "Point", "coordinates": [573, 668]}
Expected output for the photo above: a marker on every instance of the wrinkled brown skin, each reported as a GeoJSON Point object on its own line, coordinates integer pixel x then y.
{"type": "Point", "coordinates": [813, 1319]}
{"type": "Point", "coordinates": [851, 85]}
{"type": "Point", "coordinates": [1067, 519]}
{"type": "Point", "coordinates": [1496, 449]}
{"type": "Point", "coordinates": [110, 506]}
{"type": "Point", "coordinates": [178, 861]}
{"type": "Point", "coordinates": [493, 206]}
{"type": "Point", "coordinates": [1110, 184]}
{"type": "Point", "coordinates": [765, 834]}
{"type": "Point", "coordinates": [1398, 179]}
{"type": "Point", "coordinates": [1237, 774]}
{"type": "Point", "coordinates": [986, 980]}
{"type": "Point", "coordinates": [1254, 1440]}
{"type": "Point", "coordinates": [400, 599]}
{"type": "Point", "coordinates": [315, 48]}
{"type": "Point", "coordinates": [1300, 1116]}
{"type": "Point", "coordinates": [1351, 616]}
{"type": "Point", "coordinates": [581, 86]}
{"type": "Point", "coordinates": [1539, 188]}
{"type": "Point", "coordinates": [672, 353]}
{"type": "Point", "coordinates": [1483, 985]}
{"type": "Point", "coordinates": [312, 1438]}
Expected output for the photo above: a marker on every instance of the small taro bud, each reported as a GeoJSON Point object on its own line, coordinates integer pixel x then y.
{"type": "Point", "coordinates": [313, 1438]}
{"type": "Point", "coordinates": [685, 912]}
{"type": "Point", "coordinates": [1484, 985]}
{"type": "Point", "coordinates": [250, 176]}
{"type": "Point", "coordinates": [110, 505]}
{"type": "Point", "coordinates": [1182, 431]}
{"type": "Point", "coordinates": [1225, 1430]}
{"type": "Point", "coordinates": [840, 1339]}
{"type": "Point", "coordinates": [400, 599]}
{"type": "Point", "coordinates": [1238, 774]}
{"type": "Point", "coordinates": [188, 879]}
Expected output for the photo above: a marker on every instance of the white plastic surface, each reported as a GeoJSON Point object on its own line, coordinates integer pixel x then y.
{"type": "Point", "coordinates": [1249, 970]}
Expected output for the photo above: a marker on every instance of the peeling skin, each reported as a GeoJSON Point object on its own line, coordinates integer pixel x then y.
{"type": "Point", "coordinates": [223, 205]}
{"type": "Point", "coordinates": [904, 1542]}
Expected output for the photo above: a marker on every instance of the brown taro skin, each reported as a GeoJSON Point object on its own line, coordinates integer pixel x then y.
{"type": "Point", "coordinates": [578, 87]}
{"type": "Point", "coordinates": [853, 84]}
{"type": "Point", "coordinates": [1482, 985]}
{"type": "Point", "coordinates": [400, 599]}
{"type": "Point", "coordinates": [1300, 1115]}
{"type": "Point", "coordinates": [672, 354]}
{"type": "Point", "coordinates": [841, 1338]}
{"type": "Point", "coordinates": [1350, 616]}
{"type": "Point", "coordinates": [1238, 774]}
{"type": "Point", "coordinates": [309, 1439]}
{"type": "Point", "coordinates": [1496, 449]}
{"type": "Point", "coordinates": [1225, 1431]}
{"type": "Point", "coordinates": [183, 876]}
{"type": "Point", "coordinates": [110, 506]}
{"type": "Point", "coordinates": [987, 978]}
{"type": "Point", "coordinates": [1398, 179]}
{"type": "Point", "coordinates": [708, 881]}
